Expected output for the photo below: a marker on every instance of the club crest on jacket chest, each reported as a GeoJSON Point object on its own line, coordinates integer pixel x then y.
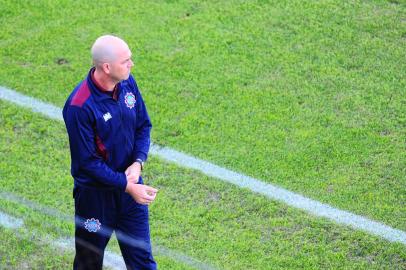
{"type": "Point", "coordinates": [129, 100]}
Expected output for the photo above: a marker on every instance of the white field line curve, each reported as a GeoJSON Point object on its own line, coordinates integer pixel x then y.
{"type": "Point", "coordinates": [271, 191]}
{"type": "Point", "coordinates": [110, 258]}
{"type": "Point", "coordinates": [10, 222]}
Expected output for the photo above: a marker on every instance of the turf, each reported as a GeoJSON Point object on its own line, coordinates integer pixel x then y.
{"type": "Point", "coordinates": [29, 252]}
{"type": "Point", "coordinates": [211, 221]}
{"type": "Point", "coordinates": [306, 95]}
{"type": "Point", "coordinates": [309, 96]}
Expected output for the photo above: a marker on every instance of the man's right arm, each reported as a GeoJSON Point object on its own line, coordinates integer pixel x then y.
{"type": "Point", "coordinates": [85, 157]}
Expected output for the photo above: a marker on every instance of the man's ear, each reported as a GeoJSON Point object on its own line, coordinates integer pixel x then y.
{"type": "Point", "coordinates": [106, 68]}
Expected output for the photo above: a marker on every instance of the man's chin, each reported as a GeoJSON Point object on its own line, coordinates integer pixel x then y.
{"type": "Point", "coordinates": [124, 78]}
{"type": "Point", "coordinates": [128, 76]}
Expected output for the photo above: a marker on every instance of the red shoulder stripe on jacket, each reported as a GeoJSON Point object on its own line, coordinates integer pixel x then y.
{"type": "Point", "coordinates": [81, 95]}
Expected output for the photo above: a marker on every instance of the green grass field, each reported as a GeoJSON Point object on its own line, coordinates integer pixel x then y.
{"type": "Point", "coordinates": [307, 95]}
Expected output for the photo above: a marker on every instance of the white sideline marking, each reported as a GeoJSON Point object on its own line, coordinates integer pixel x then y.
{"type": "Point", "coordinates": [111, 259]}
{"type": "Point", "coordinates": [10, 222]}
{"type": "Point", "coordinates": [290, 198]}
{"type": "Point", "coordinates": [34, 104]}
{"type": "Point", "coordinates": [271, 191]}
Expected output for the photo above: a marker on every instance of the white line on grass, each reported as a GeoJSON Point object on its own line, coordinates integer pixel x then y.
{"type": "Point", "coordinates": [111, 257]}
{"type": "Point", "coordinates": [10, 222]}
{"type": "Point", "coordinates": [271, 191]}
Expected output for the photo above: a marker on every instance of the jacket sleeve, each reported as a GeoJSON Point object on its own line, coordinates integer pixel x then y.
{"type": "Point", "coordinates": [85, 158]}
{"type": "Point", "coordinates": [142, 129]}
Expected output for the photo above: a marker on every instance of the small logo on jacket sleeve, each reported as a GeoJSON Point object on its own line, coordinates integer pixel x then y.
{"type": "Point", "coordinates": [92, 225]}
{"type": "Point", "coordinates": [107, 116]}
{"type": "Point", "coordinates": [130, 100]}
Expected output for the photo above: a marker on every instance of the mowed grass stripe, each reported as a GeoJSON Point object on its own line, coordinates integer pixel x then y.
{"type": "Point", "coordinates": [243, 181]}
{"type": "Point", "coordinates": [202, 217]}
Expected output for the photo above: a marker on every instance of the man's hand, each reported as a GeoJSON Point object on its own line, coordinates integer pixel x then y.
{"type": "Point", "coordinates": [133, 172]}
{"type": "Point", "coordinates": [142, 194]}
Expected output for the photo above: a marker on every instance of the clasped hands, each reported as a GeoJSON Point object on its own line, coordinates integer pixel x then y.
{"type": "Point", "coordinates": [142, 194]}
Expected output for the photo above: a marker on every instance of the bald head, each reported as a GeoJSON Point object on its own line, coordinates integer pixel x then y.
{"type": "Point", "coordinates": [107, 49]}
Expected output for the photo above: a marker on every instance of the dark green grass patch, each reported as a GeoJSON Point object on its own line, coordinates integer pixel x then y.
{"type": "Point", "coordinates": [204, 218]}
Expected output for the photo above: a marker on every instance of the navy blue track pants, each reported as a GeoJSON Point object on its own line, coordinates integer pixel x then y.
{"type": "Point", "coordinates": [98, 213]}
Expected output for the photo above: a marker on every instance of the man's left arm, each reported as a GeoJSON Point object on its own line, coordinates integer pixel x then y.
{"type": "Point", "coordinates": [141, 139]}
{"type": "Point", "coordinates": [142, 134]}
{"type": "Point", "coordinates": [142, 131]}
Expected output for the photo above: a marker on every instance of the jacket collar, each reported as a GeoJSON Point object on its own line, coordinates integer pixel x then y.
{"type": "Point", "coordinates": [97, 91]}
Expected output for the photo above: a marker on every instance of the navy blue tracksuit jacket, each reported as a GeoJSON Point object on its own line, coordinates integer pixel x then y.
{"type": "Point", "coordinates": [106, 136]}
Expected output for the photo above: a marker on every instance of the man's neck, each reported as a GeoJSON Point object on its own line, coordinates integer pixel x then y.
{"type": "Point", "coordinates": [104, 81]}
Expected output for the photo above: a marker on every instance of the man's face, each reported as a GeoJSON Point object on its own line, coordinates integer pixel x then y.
{"type": "Point", "coordinates": [120, 68]}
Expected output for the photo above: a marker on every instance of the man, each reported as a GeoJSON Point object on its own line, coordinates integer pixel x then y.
{"type": "Point", "coordinates": [109, 135]}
